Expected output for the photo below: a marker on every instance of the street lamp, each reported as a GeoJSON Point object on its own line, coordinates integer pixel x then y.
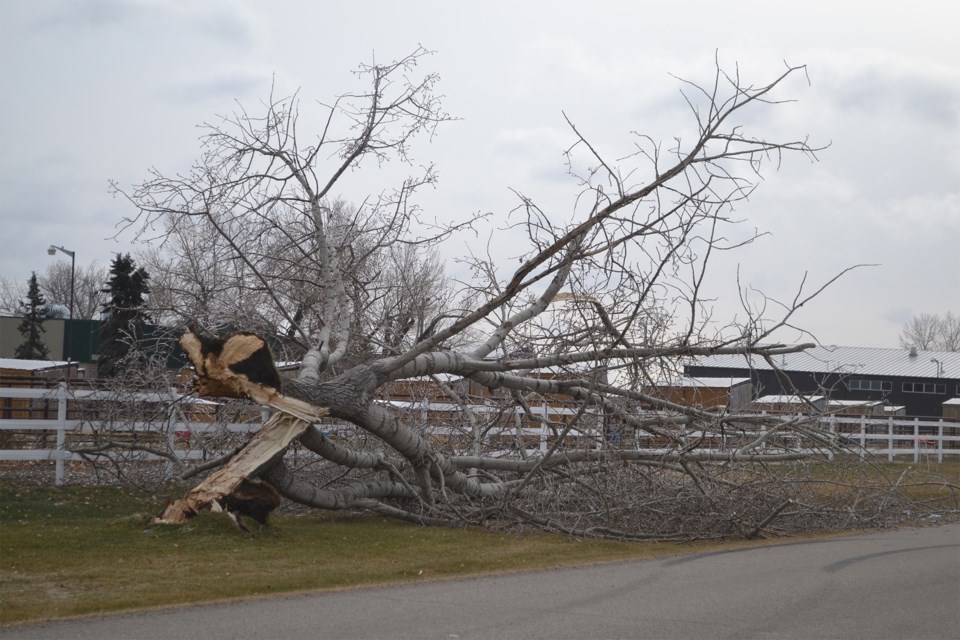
{"type": "Point", "coordinates": [52, 251]}
{"type": "Point", "coordinates": [939, 366]}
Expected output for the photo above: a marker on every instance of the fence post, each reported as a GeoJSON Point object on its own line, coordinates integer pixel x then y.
{"type": "Point", "coordinates": [940, 441]}
{"type": "Point", "coordinates": [916, 441]}
{"type": "Point", "coordinates": [171, 433]}
{"type": "Point", "coordinates": [543, 428]}
{"type": "Point", "coordinates": [835, 439]}
{"type": "Point", "coordinates": [763, 433]}
{"type": "Point", "coordinates": [890, 439]}
{"type": "Point", "coordinates": [863, 437]}
{"type": "Point", "coordinates": [61, 430]}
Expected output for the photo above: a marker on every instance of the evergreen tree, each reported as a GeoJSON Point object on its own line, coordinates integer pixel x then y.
{"type": "Point", "coordinates": [34, 310]}
{"type": "Point", "coordinates": [123, 326]}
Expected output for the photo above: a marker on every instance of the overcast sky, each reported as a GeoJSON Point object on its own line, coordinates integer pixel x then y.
{"type": "Point", "coordinates": [105, 89]}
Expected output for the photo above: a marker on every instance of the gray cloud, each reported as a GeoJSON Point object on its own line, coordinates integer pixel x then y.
{"type": "Point", "coordinates": [223, 21]}
{"type": "Point", "coordinates": [106, 88]}
{"type": "Point", "coordinates": [934, 100]}
{"type": "Point", "coordinates": [220, 87]}
{"type": "Point", "coordinates": [91, 14]}
{"type": "Point", "coordinates": [899, 315]}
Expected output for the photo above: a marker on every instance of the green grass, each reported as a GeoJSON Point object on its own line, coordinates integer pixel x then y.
{"type": "Point", "coordinates": [75, 551]}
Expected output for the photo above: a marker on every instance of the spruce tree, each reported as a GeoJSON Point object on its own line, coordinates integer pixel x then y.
{"type": "Point", "coordinates": [125, 317]}
{"type": "Point", "coordinates": [34, 310]}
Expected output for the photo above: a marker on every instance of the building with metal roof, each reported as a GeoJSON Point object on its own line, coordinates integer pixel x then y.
{"type": "Point", "coordinates": [706, 393]}
{"type": "Point", "coordinates": [918, 379]}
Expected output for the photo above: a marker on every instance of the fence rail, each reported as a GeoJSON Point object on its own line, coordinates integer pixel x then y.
{"type": "Point", "coordinates": [169, 425]}
{"type": "Point", "coordinates": [896, 437]}
{"type": "Point", "coordinates": [884, 437]}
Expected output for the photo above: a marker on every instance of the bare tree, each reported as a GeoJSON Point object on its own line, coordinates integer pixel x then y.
{"type": "Point", "coordinates": [932, 332]}
{"type": "Point", "coordinates": [409, 295]}
{"type": "Point", "coordinates": [55, 285]}
{"type": "Point", "coordinates": [11, 292]}
{"type": "Point", "coordinates": [538, 402]}
{"type": "Point", "coordinates": [88, 281]}
{"type": "Point", "coordinates": [394, 290]}
{"type": "Point", "coordinates": [950, 332]}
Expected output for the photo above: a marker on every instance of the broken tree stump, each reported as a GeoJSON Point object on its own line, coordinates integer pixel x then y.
{"type": "Point", "coordinates": [240, 366]}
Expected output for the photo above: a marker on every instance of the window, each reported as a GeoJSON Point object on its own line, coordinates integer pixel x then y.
{"type": "Point", "coordinates": [924, 387]}
{"type": "Point", "coordinates": [870, 385]}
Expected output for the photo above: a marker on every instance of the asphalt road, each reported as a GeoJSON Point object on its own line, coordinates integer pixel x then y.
{"type": "Point", "coordinates": [898, 584]}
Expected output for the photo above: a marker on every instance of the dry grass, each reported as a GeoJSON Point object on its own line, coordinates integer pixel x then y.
{"type": "Point", "coordinates": [936, 484]}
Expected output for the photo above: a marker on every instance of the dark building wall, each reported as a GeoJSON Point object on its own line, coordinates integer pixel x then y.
{"type": "Point", "coordinates": [837, 387]}
{"type": "Point", "coordinates": [85, 340]}
{"type": "Point", "coordinates": [10, 337]}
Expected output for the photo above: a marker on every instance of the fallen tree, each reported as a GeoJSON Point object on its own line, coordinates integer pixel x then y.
{"type": "Point", "coordinates": [531, 397]}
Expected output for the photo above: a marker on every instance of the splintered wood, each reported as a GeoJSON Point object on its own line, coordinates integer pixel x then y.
{"type": "Point", "coordinates": [240, 366]}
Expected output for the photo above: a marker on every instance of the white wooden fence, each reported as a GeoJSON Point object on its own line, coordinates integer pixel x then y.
{"type": "Point", "coordinates": [884, 437]}
{"type": "Point", "coordinates": [898, 436]}
{"type": "Point", "coordinates": [171, 424]}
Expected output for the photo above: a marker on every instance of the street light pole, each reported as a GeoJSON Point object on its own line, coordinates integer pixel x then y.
{"type": "Point", "coordinates": [939, 366]}
{"type": "Point", "coordinates": [52, 250]}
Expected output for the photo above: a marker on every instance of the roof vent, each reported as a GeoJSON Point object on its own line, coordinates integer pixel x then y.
{"type": "Point", "coordinates": [913, 352]}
